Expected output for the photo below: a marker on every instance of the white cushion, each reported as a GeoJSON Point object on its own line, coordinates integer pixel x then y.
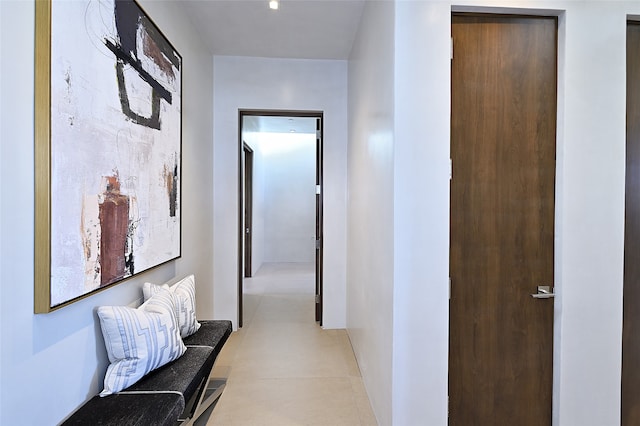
{"type": "Point", "coordinates": [184, 292]}
{"type": "Point", "coordinates": [139, 340]}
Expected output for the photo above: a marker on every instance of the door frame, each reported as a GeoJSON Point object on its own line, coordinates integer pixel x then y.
{"type": "Point", "coordinates": [319, 115]}
{"type": "Point", "coordinates": [559, 142]}
{"type": "Point", "coordinates": [248, 213]}
{"type": "Point", "coordinates": [629, 403]}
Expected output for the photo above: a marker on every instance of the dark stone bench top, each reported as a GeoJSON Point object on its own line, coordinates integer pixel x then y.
{"type": "Point", "coordinates": [159, 398]}
{"type": "Point", "coordinates": [210, 331]}
{"type": "Point", "coordinates": [129, 410]}
{"type": "Point", "coordinates": [183, 376]}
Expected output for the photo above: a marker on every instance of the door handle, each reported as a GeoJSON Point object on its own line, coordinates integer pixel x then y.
{"type": "Point", "coordinates": [544, 292]}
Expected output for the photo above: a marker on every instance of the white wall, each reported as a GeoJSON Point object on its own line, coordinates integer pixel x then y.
{"type": "Point", "coordinates": [590, 217]}
{"type": "Point", "coordinates": [260, 83]}
{"type": "Point", "coordinates": [283, 196]}
{"type": "Point", "coordinates": [55, 361]}
{"type": "Point", "coordinates": [421, 221]}
{"type": "Point", "coordinates": [289, 197]}
{"type": "Point", "coordinates": [371, 211]}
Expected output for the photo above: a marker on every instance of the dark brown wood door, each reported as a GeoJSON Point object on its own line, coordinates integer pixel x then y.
{"type": "Point", "coordinates": [503, 127]}
{"type": "Point", "coordinates": [631, 304]}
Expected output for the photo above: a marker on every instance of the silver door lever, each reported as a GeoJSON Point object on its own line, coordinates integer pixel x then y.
{"type": "Point", "coordinates": [544, 292]}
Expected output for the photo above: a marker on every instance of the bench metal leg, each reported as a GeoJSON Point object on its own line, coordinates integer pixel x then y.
{"type": "Point", "coordinates": [211, 393]}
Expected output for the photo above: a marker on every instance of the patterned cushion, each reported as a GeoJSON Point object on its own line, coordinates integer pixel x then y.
{"type": "Point", "coordinates": [139, 340]}
{"type": "Point", "coordinates": [185, 297]}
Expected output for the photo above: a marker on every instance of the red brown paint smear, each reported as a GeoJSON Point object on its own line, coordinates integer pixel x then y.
{"type": "Point", "coordinates": [152, 50]}
{"type": "Point", "coordinates": [170, 179]}
{"type": "Point", "coordinates": [114, 223]}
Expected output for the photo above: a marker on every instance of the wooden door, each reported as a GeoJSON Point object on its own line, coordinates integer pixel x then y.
{"type": "Point", "coordinates": [503, 129]}
{"type": "Point", "coordinates": [631, 307]}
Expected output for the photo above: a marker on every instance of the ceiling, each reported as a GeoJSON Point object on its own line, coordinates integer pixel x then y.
{"type": "Point", "coordinates": [302, 29]}
{"type": "Point", "coordinates": [299, 29]}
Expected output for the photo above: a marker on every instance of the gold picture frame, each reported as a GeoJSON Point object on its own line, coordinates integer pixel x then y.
{"type": "Point", "coordinates": [108, 141]}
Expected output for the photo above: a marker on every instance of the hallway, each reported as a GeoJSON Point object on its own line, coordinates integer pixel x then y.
{"type": "Point", "coordinates": [282, 368]}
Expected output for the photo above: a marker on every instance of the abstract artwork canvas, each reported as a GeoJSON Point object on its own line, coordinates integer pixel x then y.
{"type": "Point", "coordinates": [108, 147]}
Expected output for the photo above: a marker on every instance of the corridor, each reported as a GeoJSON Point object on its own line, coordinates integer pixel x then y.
{"type": "Point", "coordinates": [282, 368]}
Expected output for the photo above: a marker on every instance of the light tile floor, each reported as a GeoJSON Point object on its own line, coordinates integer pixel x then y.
{"type": "Point", "coordinates": [282, 368]}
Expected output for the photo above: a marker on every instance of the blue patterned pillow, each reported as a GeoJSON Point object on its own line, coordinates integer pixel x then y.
{"type": "Point", "coordinates": [184, 292]}
{"type": "Point", "coordinates": [139, 340]}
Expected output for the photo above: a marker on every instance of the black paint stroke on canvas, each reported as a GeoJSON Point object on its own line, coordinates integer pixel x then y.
{"type": "Point", "coordinates": [130, 22]}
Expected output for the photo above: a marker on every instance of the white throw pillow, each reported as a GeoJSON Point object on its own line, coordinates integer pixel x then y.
{"type": "Point", "coordinates": [184, 292]}
{"type": "Point", "coordinates": [139, 340]}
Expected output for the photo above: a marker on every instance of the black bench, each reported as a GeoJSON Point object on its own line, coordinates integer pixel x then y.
{"type": "Point", "coordinates": [176, 393]}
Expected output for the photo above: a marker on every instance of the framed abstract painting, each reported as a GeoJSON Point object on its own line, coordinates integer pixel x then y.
{"type": "Point", "coordinates": [108, 136]}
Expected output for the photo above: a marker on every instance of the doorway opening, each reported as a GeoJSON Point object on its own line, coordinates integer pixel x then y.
{"type": "Point", "coordinates": [279, 194]}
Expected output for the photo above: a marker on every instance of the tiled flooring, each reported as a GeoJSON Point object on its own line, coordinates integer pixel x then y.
{"type": "Point", "coordinates": [282, 368]}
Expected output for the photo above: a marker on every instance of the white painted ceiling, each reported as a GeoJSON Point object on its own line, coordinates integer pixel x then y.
{"type": "Point", "coordinates": [303, 29]}
{"type": "Point", "coordinates": [299, 29]}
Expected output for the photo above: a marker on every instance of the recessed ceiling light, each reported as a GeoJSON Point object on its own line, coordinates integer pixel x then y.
{"type": "Point", "coordinates": [274, 4]}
